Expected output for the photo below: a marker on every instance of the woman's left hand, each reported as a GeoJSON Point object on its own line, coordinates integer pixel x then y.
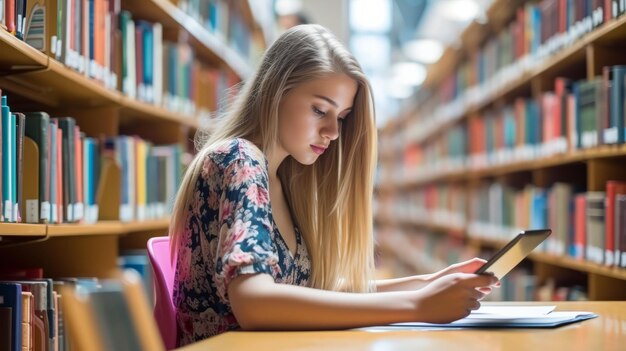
{"type": "Point", "coordinates": [469, 266]}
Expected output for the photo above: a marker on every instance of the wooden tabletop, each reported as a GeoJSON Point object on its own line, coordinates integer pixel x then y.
{"type": "Point", "coordinates": [607, 332]}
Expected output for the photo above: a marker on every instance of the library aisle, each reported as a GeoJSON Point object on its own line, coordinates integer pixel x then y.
{"type": "Point", "coordinates": [492, 117]}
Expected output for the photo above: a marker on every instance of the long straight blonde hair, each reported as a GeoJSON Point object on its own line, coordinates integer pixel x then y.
{"type": "Point", "coordinates": [331, 200]}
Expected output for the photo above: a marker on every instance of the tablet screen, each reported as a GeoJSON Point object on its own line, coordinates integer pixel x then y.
{"type": "Point", "coordinates": [514, 252]}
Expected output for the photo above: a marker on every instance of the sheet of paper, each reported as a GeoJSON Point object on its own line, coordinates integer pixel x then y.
{"type": "Point", "coordinates": [508, 316]}
{"type": "Point", "coordinates": [511, 311]}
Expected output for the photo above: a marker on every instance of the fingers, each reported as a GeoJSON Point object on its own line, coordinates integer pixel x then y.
{"type": "Point", "coordinates": [484, 290]}
{"type": "Point", "coordinates": [482, 280]}
{"type": "Point", "coordinates": [474, 305]}
{"type": "Point", "coordinates": [468, 266]}
{"type": "Point", "coordinates": [477, 294]}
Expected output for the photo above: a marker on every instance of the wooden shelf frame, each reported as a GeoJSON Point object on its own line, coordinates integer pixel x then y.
{"type": "Point", "coordinates": [47, 231]}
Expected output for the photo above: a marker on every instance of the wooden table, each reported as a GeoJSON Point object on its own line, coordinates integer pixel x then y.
{"type": "Point", "coordinates": [607, 332]}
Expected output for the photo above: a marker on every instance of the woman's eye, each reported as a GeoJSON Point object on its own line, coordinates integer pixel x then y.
{"type": "Point", "coordinates": [318, 112]}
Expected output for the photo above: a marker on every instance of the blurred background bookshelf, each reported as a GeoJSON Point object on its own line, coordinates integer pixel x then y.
{"type": "Point", "coordinates": [518, 125]}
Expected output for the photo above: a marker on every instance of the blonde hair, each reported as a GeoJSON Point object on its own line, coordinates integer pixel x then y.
{"type": "Point", "coordinates": [331, 200]}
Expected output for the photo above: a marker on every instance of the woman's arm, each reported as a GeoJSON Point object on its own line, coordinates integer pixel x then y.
{"type": "Point", "coordinates": [414, 282]}
{"type": "Point", "coordinates": [260, 304]}
{"type": "Point", "coordinates": [419, 281]}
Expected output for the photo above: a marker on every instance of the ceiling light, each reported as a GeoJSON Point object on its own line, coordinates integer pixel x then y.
{"type": "Point", "coordinates": [458, 10]}
{"type": "Point", "coordinates": [370, 15]}
{"type": "Point", "coordinates": [408, 73]}
{"type": "Point", "coordinates": [423, 50]}
{"type": "Point", "coordinates": [287, 7]}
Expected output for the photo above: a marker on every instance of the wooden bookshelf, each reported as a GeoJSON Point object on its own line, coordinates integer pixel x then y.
{"type": "Point", "coordinates": [427, 127]}
{"type": "Point", "coordinates": [36, 82]}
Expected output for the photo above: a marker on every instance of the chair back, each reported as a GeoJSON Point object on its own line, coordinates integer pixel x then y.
{"type": "Point", "coordinates": [164, 310]}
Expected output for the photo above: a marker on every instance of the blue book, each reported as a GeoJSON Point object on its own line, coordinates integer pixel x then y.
{"type": "Point", "coordinates": [53, 171]}
{"type": "Point", "coordinates": [617, 101]}
{"type": "Point", "coordinates": [7, 151]}
{"type": "Point", "coordinates": [11, 297]}
{"type": "Point", "coordinates": [13, 170]}
{"type": "Point", "coordinates": [148, 52]}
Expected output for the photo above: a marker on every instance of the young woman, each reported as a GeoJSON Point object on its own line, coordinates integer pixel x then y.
{"type": "Point", "coordinates": [272, 225]}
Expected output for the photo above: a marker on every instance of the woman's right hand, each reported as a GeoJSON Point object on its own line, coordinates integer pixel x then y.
{"type": "Point", "coordinates": [451, 297]}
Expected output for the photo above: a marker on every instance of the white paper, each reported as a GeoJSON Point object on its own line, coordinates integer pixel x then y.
{"type": "Point", "coordinates": [506, 316]}
{"type": "Point", "coordinates": [510, 311]}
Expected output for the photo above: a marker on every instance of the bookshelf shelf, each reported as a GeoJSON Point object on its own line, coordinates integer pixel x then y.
{"type": "Point", "coordinates": [18, 56]}
{"type": "Point", "coordinates": [100, 228]}
{"type": "Point", "coordinates": [23, 230]}
{"type": "Point", "coordinates": [145, 226]}
{"type": "Point", "coordinates": [105, 228]}
{"type": "Point", "coordinates": [71, 87]}
{"type": "Point", "coordinates": [134, 108]}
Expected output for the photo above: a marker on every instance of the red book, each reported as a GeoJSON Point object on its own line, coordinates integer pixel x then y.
{"type": "Point", "coordinates": [9, 15]}
{"type": "Point", "coordinates": [580, 230]}
{"type": "Point", "coordinates": [613, 188]}
{"type": "Point", "coordinates": [78, 142]}
{"type": "Point", "coordinates": [620, 225]}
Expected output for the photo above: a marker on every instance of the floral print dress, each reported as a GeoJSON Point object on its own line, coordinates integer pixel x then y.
{"type": "Point", "coordinates": [229, 231]}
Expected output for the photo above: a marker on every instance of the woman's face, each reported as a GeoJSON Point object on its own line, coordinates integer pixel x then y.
{"type": "Point", "coordinates": [310, 115]}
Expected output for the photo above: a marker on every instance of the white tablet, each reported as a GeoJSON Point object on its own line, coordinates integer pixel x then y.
{"type": "Point", "coordinates": [514, 252]}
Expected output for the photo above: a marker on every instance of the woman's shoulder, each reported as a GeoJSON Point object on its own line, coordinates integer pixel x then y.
{"type": "Point", "coordinates": [233, 151]}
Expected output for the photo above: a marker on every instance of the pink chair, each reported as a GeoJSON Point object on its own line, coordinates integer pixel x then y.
{"type": "Point", "coordinates": [164, 311]}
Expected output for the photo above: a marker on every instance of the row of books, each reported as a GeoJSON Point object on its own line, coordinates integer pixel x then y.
{"type": "Point", "coordinates": [105, 43]}
{"type": "Point", "coordinates": [442, 205]}
{"type": "Point", "coordinates": [586, 225]}
{"type": "Point", "coordinates": [537, 31]}
{"type": "Point", "coordinates": [150, 176]}
{"type": "Point", "coordinates": [576, 115]}
{"type": "Point", "coordinates": [223, 19]}
{"type": "Point", "coordinates": [51, 171]}
{"type": "Point", "coordinates": [32, 307]}
{"type": "Point", "coordinates": [48, 172]}
{"type": "Point", "coordinates": [168, 73]}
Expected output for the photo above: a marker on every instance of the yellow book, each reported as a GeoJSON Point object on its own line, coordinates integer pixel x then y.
{"type": "Point", "coordinates": [141, 178]}
{"type": "Point", "coordinates": [41, 25]}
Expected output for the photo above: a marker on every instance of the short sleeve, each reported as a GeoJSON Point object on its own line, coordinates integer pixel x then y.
{"type": "Point", "coordinates": [245, 242]}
